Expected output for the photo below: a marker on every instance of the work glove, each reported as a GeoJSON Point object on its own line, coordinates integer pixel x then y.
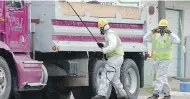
{"type": "Point", "coordinates": [100, 45]}
{"type": "Point", "coordinates": [155, 30]}
{"type": "Point", "coordinates": [168, 31]}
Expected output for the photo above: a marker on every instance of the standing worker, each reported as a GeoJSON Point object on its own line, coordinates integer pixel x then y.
{"type": "Point", "coordinates": [114, 52]}
{"type": "Point", "coordinates": [162, 39]}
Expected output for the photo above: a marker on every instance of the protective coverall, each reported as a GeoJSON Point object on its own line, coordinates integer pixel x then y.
{"type": "Point", "coordinates": [114, 53]}
{"type": "Point", "coordinates": [162, 55]}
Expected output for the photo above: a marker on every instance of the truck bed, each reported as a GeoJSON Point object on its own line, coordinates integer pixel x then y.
{"type": "Point", "coordinates": [66, 32]}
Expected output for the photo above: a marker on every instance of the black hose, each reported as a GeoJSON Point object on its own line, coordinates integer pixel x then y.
{"type": "Point", "coordinates": [94, 39]}
{"type": "Point", "coordinates": [82, 22]}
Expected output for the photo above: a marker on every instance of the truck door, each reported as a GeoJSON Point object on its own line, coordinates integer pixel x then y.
{"type": "Point", "coordinates": [2, 20]}
{"type": "Point", "coordinates": [17, 33]}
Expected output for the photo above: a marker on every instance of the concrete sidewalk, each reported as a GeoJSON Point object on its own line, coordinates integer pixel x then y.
{"type": "Point", "coordinates": [175, 95]}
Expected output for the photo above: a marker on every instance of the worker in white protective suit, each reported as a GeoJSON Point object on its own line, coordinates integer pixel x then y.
{"type": "Point", "coordinates": [162, 39]}
{"type": "Point", "coordinates": [114, 53]}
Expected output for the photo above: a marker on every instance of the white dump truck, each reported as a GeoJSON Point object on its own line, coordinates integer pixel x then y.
{"type": "Point", "coordinates": [68, 51]}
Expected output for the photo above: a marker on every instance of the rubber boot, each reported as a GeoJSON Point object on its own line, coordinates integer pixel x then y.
{"type": "Point", "coordinates": [125, 97]}
{"type": "Point", "coordinates": [153, 97]}
{"type": "Point", "coordinates": [121, 93]}
{"type": "Point", "coordinates": [167, 97]}
{"type": "Point", "coordinates": [98, 97]}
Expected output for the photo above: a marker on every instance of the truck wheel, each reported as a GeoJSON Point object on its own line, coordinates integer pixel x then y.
{"type": "Point", "coordinates": [130, 78]}
{"type": "Point", "coordinates": [5, 79]}
{"type": "Point", "coordinates": [95, 70]}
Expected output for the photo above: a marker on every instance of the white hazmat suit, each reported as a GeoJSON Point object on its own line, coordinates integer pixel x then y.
{"type": "Point", "coordinates": [161, 67]}
{"type": "Point", "coordinates": [111, 71]}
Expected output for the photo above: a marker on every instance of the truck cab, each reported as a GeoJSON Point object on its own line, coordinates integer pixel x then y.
{"type": "Point", "coordinates": [19, 72]}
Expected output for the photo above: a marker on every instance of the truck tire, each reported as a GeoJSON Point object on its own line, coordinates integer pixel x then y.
{"type": "Point", "coordinates": [95, 67]}
{"type": "Point", "coordinates": [95, 70]}
{"type": "Point", "coordinates": [130, 78]}
{"type": "Point", "coordinates": [5, 79]}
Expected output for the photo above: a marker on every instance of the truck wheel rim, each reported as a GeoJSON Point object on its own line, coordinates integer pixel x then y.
{"type": "Point", "coordinates": [131, 80]}
{"type": "Point", "coordinates": [3, 81]}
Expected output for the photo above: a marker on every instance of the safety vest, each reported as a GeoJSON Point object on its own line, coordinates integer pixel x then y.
{"type": "Point", "coordinates": [162, 47]}
{"type": "Point", "coordinates": [119, 49]}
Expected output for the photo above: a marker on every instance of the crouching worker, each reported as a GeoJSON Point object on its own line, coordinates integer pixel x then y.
{"type": "Point", "coordinates": [114, 53]}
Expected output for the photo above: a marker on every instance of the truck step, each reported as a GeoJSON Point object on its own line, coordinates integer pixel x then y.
{"type": "Point", "coordinates": [32, 62]}
{"type": "Point", "coordinates": [35, 84]}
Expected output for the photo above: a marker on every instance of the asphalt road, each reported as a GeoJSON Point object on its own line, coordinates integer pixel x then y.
{"type": "Point", "coordinates": [175, 95]}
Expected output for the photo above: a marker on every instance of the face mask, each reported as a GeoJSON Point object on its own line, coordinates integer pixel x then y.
{"type": "Point", "coordinates": [102, 32]}
{"type": "Point", "coordinates": [162, 30]}
{"type": "Point", "coordinates": [104, 29]}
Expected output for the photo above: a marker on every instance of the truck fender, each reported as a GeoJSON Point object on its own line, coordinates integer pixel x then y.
{"type": "Point", "coordinates": [4, 46]}
{"type": "Point", "coordinates": [15, 64]}
{"type": "Point", "coordinates": [9, 57]}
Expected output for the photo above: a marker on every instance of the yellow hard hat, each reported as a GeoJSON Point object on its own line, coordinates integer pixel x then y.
{"type": "Point", "coordinates": [102, 23]}
{"type": "Point", "coordinates": [163, 22]}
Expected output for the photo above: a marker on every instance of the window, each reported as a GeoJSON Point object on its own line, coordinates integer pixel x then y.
{"type": "Point", "coordinates": [15, 3]}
